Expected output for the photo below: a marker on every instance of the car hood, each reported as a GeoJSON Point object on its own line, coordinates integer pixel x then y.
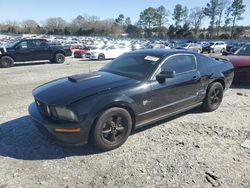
{"type": "Point", "coordinates": [70, 89]}
{"type": "Point", "coordinates": [239, 61]}
{"type": "Point", "coordinates": [4, 50]}
{"type": "Point", "coordinates": [96, 51]}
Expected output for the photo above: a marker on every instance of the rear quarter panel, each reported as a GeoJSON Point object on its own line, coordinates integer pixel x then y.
{"type": "Point", "coordinates": [216, 70]}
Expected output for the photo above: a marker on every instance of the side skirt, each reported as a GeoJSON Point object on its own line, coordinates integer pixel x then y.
{"type": "Point", "coordinates": [153, 120]}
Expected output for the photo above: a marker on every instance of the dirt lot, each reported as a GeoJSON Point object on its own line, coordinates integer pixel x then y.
{"type": "Point", "coordinates": [194, 149]}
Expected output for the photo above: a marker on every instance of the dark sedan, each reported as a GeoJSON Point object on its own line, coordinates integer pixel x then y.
{"type": "Point", "coordinates": [134, 90]}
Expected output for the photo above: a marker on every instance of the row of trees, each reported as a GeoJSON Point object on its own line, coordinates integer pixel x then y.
{"type": "Point", "coordinates": [222, 14]}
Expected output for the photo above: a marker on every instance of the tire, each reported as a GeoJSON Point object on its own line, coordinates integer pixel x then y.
{"type": "Point", "coordinates": [6, 62]}
{"type": "Point", "coordinates": [101, 57]}
{"type": "Point", "coordinates": [59, 58]}
{"type": "Point", "coordinates": [214, 97]}
{"type": "Point", "coordinates": [112, 129]}
{"type": "Point", "coordinates": [223, 49]}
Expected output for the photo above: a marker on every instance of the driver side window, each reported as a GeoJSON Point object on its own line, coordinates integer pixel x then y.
{"type": "Point", "coordinates": [23, 45]}
{"type": "Point", "coordinates": [179, 64]}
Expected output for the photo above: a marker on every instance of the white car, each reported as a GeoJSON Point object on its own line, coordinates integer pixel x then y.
{"type": "Point", "coordinates": [107, 52]}
{"type": "Point", "coordinates": [218, 46]}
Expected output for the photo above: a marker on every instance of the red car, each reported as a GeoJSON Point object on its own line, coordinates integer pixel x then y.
{"type": "Point", "coordinates": [79, 53]}
{"type": "Point", "coordinates": [241, 62]}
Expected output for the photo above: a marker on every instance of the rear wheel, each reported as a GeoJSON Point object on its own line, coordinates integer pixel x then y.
{"type": "Point", "coordinates": [101, 57]}
{"type": "Point", "coordinates": [214, 97]}
{"type": "Point", "coordinates": [112, 129]}
{"type": "Point", "coordinates": [6, 62]}
{"type": "Point", "coordinates": [59, 58]}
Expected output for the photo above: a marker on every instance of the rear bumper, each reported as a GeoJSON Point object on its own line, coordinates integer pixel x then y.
{"type": "Point", "coordinates": [47, 128]}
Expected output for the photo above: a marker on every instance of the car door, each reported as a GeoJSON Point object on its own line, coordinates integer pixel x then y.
{"type": "Point", "coordinates": [110, 51]}
{"type": "Point", "coordinates": [21, 51]}
{"type": "Point", "coordinates": [178, 92]}
{"type": "Point", "coordinates": [41, 50]}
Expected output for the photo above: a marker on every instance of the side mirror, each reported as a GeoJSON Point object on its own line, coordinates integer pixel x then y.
{"type": "Point", "coordinates": [165, 74]}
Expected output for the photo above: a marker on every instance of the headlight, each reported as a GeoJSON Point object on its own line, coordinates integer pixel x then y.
{"type": "Point", "coordinates": [66, 114]}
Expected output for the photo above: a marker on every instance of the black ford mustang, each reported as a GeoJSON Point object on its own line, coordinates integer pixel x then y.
{"type": "Point", "coordinates": [136, 89]}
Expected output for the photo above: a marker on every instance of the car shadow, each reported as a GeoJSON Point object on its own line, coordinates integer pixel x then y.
{"type": "Point", "coordinates": [240, 85]}
{"type": "Point", "coordinates": [19, 139]}
{"type": "Point", "coordinates": [19, 64]}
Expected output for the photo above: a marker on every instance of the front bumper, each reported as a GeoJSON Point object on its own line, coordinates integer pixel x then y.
{"type": "Point", "coordinates": [47, 128]}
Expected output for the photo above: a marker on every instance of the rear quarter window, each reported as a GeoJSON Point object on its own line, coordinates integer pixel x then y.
{"type": "Point", "coordinates": [204, 61]}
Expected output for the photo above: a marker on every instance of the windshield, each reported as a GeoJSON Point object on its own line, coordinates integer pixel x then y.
{"type": "Point", "coordinates": [11, 44]}
{"type": "Point", "coordinates": [104, 47]}
{"type": "Point", "coordinates": [135, 66]}
{"type": "Point", "coordinates": [184, 45]}
{"type": "Point", "coordinates": [244, 50]}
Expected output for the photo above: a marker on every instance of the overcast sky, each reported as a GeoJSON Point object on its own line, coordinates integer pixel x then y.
{"type": "Point", "coordinates": [41, 10]}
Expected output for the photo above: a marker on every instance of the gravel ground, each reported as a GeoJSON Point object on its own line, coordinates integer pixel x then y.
{"type": "Point", "coordinates": [194, 149]}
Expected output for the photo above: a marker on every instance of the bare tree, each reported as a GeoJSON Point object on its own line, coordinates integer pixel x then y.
{"type": "Point", "coordinates": [55, 25]}
{"type": "Point", "coordinates": [30, 26]}
{"type": "Point", "coordinates": [196, 17]}
{"type": "Point", "coordinates": [222, 6]}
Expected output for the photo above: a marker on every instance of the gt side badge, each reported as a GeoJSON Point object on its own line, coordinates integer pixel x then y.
{"type": "Point", "coordinates": [145, 102]}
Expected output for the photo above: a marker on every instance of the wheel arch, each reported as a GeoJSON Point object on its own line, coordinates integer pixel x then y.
{"type": "Point", "coordinates": [59, 52]}
{"type": "Point", "coordinates": [7, 55]}
{"type": "Point", "coordinates": [221, 81]}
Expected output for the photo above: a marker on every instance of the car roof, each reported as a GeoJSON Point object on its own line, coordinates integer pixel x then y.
{"type": "Point", "coordinates": [160, 52]}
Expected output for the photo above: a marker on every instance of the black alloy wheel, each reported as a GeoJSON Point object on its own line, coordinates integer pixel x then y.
{"type": "Point", "coordinates": [6, 62]}
{"type": "Point", "coordinates": [112, 129]}
{"type": "Point", "coordinates": [59, 58]}
{"type": "Point", "coordinates": [214, 97]}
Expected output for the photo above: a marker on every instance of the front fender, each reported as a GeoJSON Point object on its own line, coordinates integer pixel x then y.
{"type": "Point", "coordinates": [90, 108]}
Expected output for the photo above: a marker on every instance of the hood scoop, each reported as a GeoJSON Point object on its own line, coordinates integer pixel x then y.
{"type": "Point", "coordinates": [83, 77]}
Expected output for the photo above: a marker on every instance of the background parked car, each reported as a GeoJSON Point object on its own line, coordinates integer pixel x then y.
{"type": "Point", "coordinates": [218, 47]}
{"type": "Point", "coordinates": [107, 52]}
{"type": "Point", "coordinates": [241, 61]}
{"type": "Point", "coordinates": [80, 53]}
{"type": "Point", "coordinates": [195, 47]}
{"type": "Point", "coordinates": [32, 50]}
{"type": "Point", "coordinates": [232, 48]}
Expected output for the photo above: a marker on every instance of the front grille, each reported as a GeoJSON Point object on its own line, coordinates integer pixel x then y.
{"type": "Point", "coordinates": [88, 55]}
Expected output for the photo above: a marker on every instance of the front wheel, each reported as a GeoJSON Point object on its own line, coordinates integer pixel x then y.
{"type": "Point", "coordinates": [101, 57]}
{"type": "Point", "coordinates": [6, 62]}
{"type": "Point", "coordinates": [214, 97]}
{"type": "Point", "coordinates": [59, 58]}
{"type": "Point", "coordinates": [112, 129]}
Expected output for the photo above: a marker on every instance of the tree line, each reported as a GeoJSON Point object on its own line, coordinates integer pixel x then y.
{"type": "Point", "coordinates": [223, 16]}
